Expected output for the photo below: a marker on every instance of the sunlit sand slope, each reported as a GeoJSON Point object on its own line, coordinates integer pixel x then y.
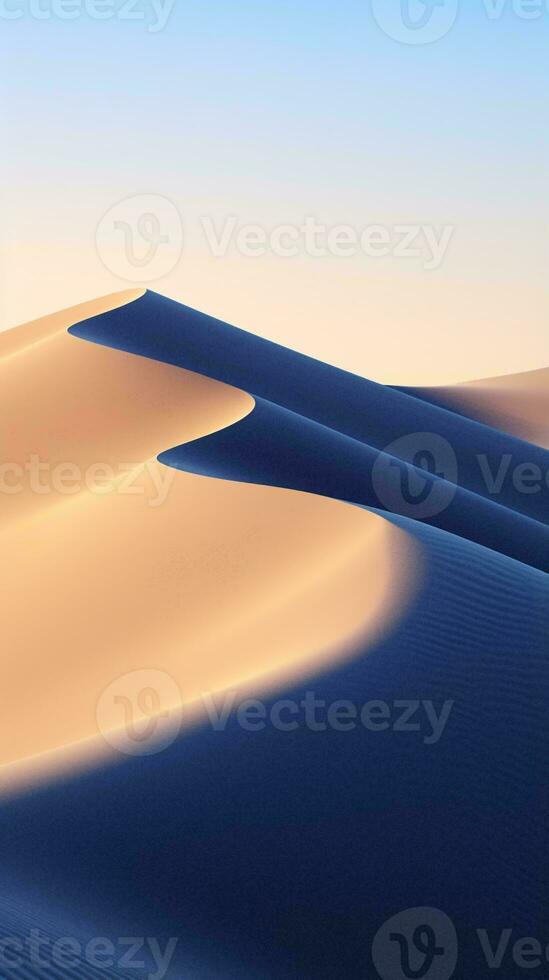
{"type": "Point", "coordinates": [20, 338]}
{"type": "Point", "coordinates": [212, 582]}
{"type": "Point", "coordinates": [77, 413]}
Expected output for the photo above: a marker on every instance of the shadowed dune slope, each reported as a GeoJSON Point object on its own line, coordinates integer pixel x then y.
{"type": "Point", "coordinates": [279, 854]}
{"type": "Point", "coordinates": [34, 942]}
{"type": "Point", "coordinates": [330, 412]}
{"type": "Point", "coordinates": [274, 446]}
{"type": "Point", "coordinates": [375, 414]}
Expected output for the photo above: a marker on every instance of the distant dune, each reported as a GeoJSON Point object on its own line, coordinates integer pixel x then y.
{"type": "Point", "coordinates": [292, 532]}
{"type": "Point", "coordinates": [517, 403]}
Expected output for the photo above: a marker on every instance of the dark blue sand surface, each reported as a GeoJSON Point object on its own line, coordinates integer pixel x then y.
{"type": "Point", "coordinates": [279, 854]}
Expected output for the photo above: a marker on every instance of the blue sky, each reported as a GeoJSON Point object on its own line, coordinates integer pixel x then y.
{"type": "Point", "coordinates": [275, 110]}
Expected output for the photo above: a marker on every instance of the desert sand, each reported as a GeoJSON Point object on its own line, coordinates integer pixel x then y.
{"type": "Point", "coordinates": [233, 567]}
{"type": "Point", "coordinates": [216, 583]}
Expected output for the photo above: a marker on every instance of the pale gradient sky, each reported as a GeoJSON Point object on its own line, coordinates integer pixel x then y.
{"type": "Point", "coordinates": [272, 111]}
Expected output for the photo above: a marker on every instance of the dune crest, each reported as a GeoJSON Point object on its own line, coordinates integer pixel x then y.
{"type": "Point", "coordinates": [323, 430]}
{"type": "Point", "coordinates": [19, 338]}
{"type": "Point", "coordinates": [79, 413]}
{"type": "Point", "coordinates": [216, 583]}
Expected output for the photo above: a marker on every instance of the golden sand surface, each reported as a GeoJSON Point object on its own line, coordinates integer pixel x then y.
{"type": "Point", "coordinates": [217, 584]}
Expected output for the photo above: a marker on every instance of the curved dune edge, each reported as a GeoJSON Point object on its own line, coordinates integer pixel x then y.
{"type": "Point", "coordinates": [84, 416]}
{"type": "Point", "coordinates": [219, 584]}
{"type": "Point", "coordinates": [226, 587]}
{"type": "Point", "coordinates": [516, 403]}
{"type": "Point", "coordinates": [18, 339]}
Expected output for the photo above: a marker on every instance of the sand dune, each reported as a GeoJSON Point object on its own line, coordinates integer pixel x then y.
{"type": "Point", "coordinates": [274, 853]}
{"type": "Point", "coordinates": [209, 581]}
{"type": "Point", "coordinates": [27, 334]}
{"type": "Point", "coordinates": [277, 854]}
{"type": "Point", "coordinates": [312, 418]}
{"type": "Point", "coordinates": [518, 403]}
{"type": "Point", "coordinates": [515, 403]}
{"type": "Point", "coordinates": [78, 411]}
